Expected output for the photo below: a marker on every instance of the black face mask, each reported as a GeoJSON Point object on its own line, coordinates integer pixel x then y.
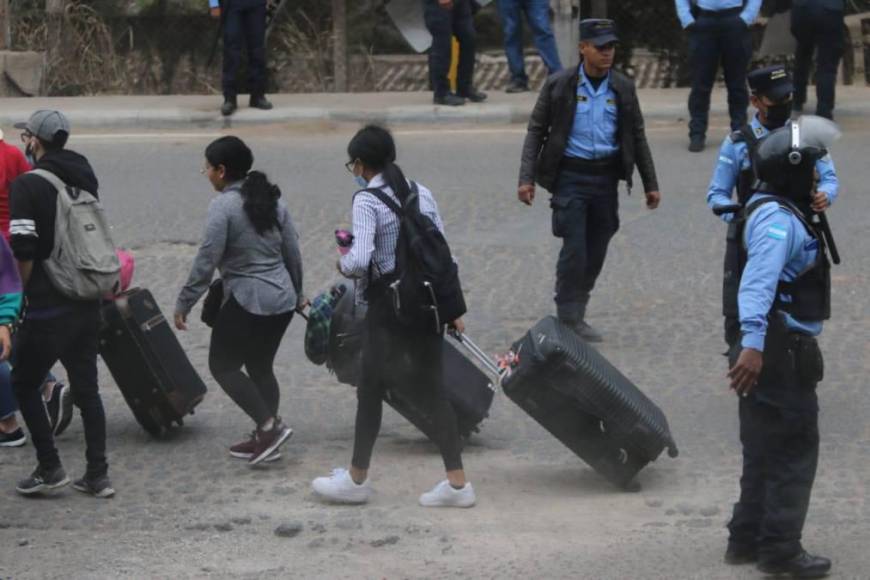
{"type": "Point", "coordinates": [777, 115]}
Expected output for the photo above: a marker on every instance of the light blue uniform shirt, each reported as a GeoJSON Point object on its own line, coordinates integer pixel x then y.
{"type": "Point", "coordinates": [213, 3]}
{"type": "Point", "coordinates": [749, 14]}
{"type": "Point", "coordinates": [734, 158]}
{"type": "Point", "coordinates": [779, 248]}
{"type": "Point", "coordinates": [594, 132]}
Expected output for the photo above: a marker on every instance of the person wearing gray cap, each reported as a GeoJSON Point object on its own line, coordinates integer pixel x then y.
{"type": "Point", "coordinates": [56, 328]}
{"type": "Point", "coordinates": [586, 134]}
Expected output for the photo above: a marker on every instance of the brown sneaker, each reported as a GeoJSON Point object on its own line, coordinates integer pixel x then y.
{"type": "Point", "coordinates": [268, 442]}
{"type": "Point", "coordinates": [245, 450]}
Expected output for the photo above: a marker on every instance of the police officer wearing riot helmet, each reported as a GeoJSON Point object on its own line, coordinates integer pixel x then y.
{"type": "Point", "coordinates": [776, 363]}
{"type": "Point", "coordinates": [585, 134]}
{"type": "Point", "coordinates": [772, 98]}
{"type": "Point", "coordinates": [244, 23]}
{"type": "Point", "coordinates": [817, 25]}
{"type": "Point", "coordinates": [718, 31]}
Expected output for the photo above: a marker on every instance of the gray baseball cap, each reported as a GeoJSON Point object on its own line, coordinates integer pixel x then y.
{"type": "Point", "coordinates": [45, 124]}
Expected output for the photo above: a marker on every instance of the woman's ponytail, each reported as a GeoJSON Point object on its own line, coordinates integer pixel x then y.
{"type": "Point", "coordinates": [261, 201]}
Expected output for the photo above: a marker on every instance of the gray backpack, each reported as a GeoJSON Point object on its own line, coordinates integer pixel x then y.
{"type": "Point", "coordinates": [83, 264]}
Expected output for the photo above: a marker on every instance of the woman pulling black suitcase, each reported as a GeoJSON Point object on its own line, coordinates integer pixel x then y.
{"type": "Point", "coordinates": [390, 344]}
{"type": "Point", "coordinates": [250, 239]}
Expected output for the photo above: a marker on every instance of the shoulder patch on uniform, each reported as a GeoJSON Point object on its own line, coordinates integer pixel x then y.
{"type": "Point", "coordinates": [611, 101]}
{"type": "Point", "coordinates": [777, 232]}
{"type": "Point", "coordinates": [759, 131]}
{"type": "Point", "coordinates": [582, 98]}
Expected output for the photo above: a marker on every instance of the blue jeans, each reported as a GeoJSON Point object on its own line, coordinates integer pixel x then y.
{"type": "Point", "coordinates": [538, 16]}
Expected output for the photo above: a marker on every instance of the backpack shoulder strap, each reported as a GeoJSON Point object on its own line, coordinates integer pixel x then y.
{"type": "Point", "coordinates": [50, 177]}
{"type": "Point", "coordinates": [385, 199]}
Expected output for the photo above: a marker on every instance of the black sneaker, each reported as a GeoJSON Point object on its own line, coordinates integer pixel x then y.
{"type": "Point", "coordinates": [65, 412]}
{"type": "Point", "coordinates": [517, 87]}
{"type": "Point", "coordinates": [42, 480]}
{"type": "Point", "coordinates": [803, 565]}
{"type": "Point", "coordinates": [450, 100]}
{"type": "Point", "coordinates": [697, 143]}
{"type": "Point", "coordinates": [95, 486]}
{"type": "Point", "coordinates": [260, 102]}
{"type": "Point", "coordinates": [15, 439]}
{"type": "Point", "coordinates": [229, 107]}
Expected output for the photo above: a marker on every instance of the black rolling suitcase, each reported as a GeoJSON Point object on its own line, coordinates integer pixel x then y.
{"type": "Point", "coordinates": [469, 390]}
{"type": "Point", "coordinates": [147, 362]}
{"type": "Point", "coordinates": [585, 402]}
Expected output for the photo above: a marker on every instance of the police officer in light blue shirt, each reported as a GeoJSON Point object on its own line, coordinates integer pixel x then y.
{"type": "Point", "coordinates": [784, 297]}
{"type": "Point", "coordinates": [771, 96]}
{"type": "Point", "coordinates": [718, 32]}
{"type": "Point", "coordinates": [586, 134]}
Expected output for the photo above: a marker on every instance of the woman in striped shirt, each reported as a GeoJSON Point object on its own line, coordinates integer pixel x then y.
{"type": "Point", "coordinates": [371, 261]}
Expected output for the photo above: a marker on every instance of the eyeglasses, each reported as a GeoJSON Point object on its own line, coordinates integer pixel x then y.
{"type": "Point", "coordinates": [349, 165]}
{"type": "Point", "coordinates": [25, 136]}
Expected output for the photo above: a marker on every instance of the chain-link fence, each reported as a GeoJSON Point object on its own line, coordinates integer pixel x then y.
{"type": "Point", "coordinates": [172, 46]}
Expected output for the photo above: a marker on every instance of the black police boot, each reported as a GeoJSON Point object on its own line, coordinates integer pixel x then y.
{"type": "Point", "coordinates": [450, 100]}
{"type": "Point", "coordinates": [260, 102]}
{"type": "Point", "coordinates": [803, 565]}
{"type": "Point", "coordinates": [739, 554]}
{"type": "Point", "coordinates": [697, 143]}
{"type": "Point", "coordinates": [475, 96]}
{"type": "Point", "coordinates": [229, 107]}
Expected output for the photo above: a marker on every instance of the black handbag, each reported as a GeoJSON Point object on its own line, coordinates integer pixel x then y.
{"type": "Point", "coordinates": [211, 306]}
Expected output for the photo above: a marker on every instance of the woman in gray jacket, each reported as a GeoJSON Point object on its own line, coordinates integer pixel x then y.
{"type": "Point", "coordinates": [250, 239]}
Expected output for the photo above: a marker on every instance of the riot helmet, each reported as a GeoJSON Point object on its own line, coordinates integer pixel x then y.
{"type": "Point", "coordinates": [785, 160]}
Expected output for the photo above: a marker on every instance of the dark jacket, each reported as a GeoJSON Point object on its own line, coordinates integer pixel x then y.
{"type": "Point", "coordinates": [553, 120]}
{"type": "Point", "coordinates": [33, 209]}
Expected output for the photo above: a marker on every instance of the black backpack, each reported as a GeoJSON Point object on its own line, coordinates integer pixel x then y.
{"type": "Point", "coordinates": [424, 287]}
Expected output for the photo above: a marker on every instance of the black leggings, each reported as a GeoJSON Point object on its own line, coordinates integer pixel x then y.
{"type": "Point", "coordinates": [421, 353]}
{"type": "Point", "coordinates": [241, 339]}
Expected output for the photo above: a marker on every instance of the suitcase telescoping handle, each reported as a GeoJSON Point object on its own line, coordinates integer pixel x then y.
{"type": "Point", "coordinates": [481, 356]}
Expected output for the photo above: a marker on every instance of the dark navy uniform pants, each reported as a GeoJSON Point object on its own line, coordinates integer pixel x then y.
{"type": "Point", "coordinates": [585, 215]}
{"type": "Point", "coordinates": [717, 39]}
{"type": "Point", "coordinates": [820, 30]}
{"type": "Point", "coordinates": [443, 24]}
{"type": "Point", "coordinates": [244, 26]}
{"type": "Point", "coordinates": [780, 436]}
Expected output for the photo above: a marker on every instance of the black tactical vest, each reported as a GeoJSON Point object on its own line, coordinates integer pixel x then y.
{"type": "Point", "coordinates": [810, 292]}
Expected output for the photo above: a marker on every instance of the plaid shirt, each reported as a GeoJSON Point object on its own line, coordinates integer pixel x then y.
{"type": "Point", "coordinates": [319, 320]}
{"type": "Point", "coordinates": [376, 233]}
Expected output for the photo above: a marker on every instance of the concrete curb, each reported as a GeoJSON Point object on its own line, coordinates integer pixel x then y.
{"type": "Point", "coordinates": [200, 112]}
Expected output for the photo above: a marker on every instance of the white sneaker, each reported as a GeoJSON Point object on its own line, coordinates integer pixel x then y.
{"type": "Point", "coordinates": [445, 495]}
{"type": "Point", "coordinates": [341, 488]}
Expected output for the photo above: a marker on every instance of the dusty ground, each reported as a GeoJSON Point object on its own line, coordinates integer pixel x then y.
{"type": "Point", "coordinates": [185, 509]}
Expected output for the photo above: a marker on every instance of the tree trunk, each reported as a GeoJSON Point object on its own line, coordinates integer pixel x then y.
{"type": "Point", "coordinates": [339, 45]}
{"type": "Point", "coordinates": [5, 25]}
{"type": "Point", "coordinates": [54, 13]}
